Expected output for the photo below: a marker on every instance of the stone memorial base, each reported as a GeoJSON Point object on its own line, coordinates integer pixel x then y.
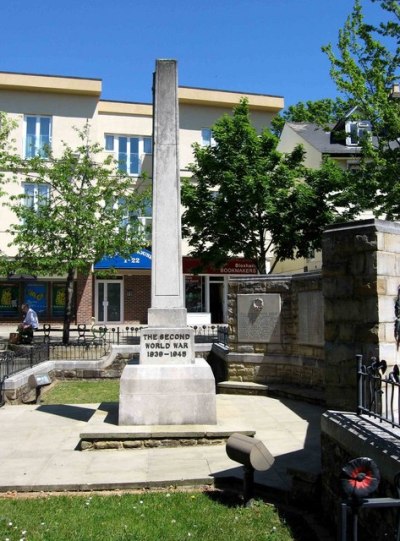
{"type": "Point", "coordinates": [167, 394]}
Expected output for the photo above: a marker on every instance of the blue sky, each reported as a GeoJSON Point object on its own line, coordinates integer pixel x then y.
{"type": "Point", "coordinates": [263, 46]}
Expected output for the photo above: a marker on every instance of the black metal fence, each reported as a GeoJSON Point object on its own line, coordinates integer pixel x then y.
{"type": "Point", "coordinates": [19, 359]}
{"type": "Point", "coordinates": [378, 395]}
{"type": "Point", "coordinates": [86, 343]}
{"type": "Point", "coordinates": [97, 335]}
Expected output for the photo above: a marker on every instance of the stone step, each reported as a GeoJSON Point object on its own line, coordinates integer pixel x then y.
{"type": "Point", "coordinates": [157, 436]}
{"type": "Point", "coordinates": [279, 390]}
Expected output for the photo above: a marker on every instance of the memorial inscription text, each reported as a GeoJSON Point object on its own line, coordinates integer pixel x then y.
{"type": "Point", "coordinates": [166, 345]}
{"type": "Point", "coordinates": [258, 317]}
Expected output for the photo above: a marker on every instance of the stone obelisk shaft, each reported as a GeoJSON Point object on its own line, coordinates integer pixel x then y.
{"type": "Point", "coordinates": [167, 301]}
{"type": "Point", "coordinates": [169, 386]}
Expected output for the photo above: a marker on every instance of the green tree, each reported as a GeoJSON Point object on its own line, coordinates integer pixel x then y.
{"type": "Point", "coordinates": [365, 66]}
{"type": "Point", "coordinates": [247, 198]}
{"type": "Point", "coordinates": [82, 209]}
{"type": "Point", "coordinates": [9, 160]}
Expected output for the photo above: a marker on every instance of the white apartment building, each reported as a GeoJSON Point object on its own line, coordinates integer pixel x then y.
{"type": "Point", "coordinates": [47, 109]}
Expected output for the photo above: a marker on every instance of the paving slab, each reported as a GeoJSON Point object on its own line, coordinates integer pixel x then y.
{"type": "Point", "coordinates": [39, 447]}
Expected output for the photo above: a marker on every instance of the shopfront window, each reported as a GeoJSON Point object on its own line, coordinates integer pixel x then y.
{"type": "Point", "coordinates": [195, 293]}
{"type": "Point", "coordinates": [9, 296]}
{"type": "Point", "coordinates": [57, 300]}
{"type": "Point", "coordinates": [35, 294]}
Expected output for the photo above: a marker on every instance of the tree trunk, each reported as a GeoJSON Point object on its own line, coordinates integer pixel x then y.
{"type": "Point", "coordinates": [69, 294]}
{"type": "Point", "coordinates": [262, 259]}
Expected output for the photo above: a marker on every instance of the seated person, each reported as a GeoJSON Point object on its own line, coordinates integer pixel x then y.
{"type": "Point", "coordinates": [29, 324]}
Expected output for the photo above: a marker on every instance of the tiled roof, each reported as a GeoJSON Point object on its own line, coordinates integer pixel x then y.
{"type": "Point", "coordinates": [321, 139]}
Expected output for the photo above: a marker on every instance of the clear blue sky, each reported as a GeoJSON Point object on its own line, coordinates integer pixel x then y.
{"type": "Point", "coordinates": [265, 46]}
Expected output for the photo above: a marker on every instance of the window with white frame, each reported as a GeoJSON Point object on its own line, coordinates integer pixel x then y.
{"type": "Point", "coordinates": [207, 138]}
{"type": "Point", "coordinates": [356, 131]}
{"type": "Point", "coordinates": [128, 151]}
{"type": "Point", "coordinates": [37, 135]}
{"type": "Point", "coordinates": [142, 220]}
{"type": "Point", "coordinates": [36, 195]}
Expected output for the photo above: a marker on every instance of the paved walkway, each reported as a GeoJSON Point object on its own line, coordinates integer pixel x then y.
{"type": "Point", "coordinates": [38, 447]}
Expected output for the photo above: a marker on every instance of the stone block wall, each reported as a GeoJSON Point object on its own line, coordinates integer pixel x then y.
{"type": "Point", "coordinates": [361, 276]}
{"type": "Point", "coordinates": [296, 355]}
{"type": "Point", "coordinates": [344, 437]}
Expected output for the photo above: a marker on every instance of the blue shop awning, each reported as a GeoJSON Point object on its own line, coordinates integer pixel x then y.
{"type": "Point", "coordinates": [139, 260]}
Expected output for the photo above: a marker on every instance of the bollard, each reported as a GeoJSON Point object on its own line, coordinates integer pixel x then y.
{"type": "Point", "coordinates": [253, 455]}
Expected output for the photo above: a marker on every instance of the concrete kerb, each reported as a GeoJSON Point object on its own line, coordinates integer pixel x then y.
{"type": "Point", "coordinates": [21, 378]}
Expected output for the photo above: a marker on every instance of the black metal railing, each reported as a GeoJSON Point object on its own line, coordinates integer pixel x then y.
{"type": "Point", "coordinates": [97, 335]}
{"type": "Point", "coordinates": [86, 343]}
{"type": "Point", "coordinates": [19, 359]}
{"type": "Point", "coordinates": [378, 395]}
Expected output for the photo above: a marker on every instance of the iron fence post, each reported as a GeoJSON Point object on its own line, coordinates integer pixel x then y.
{"type": "Point", "coordinates": [342, 533]}
{"type": "Point", "coordinates": [359, 384]}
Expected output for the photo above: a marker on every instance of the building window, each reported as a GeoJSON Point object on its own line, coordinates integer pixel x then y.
{"type": "Point", "coordinates": [36, 195]}
{"type": "Point", "coordinates": [109, 143]}
{"type": "Point", "coordinates": [141, 222]}
{"type": "Point", "coordinates": [356, 131]}
{"type": "Point", "coordinates": [207, 139]}
{"type": "Point", "coordinates": [129, 151]}
{"type": "Point", "coordinates": [194, 293]}
{"type": "Point", "coordinates": [37, 135]}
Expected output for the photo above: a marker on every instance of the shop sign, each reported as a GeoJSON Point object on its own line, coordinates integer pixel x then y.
{"type": "Point", "coordinates": [232, 266]}
{"type": "Point", "coordinates": [139, 260]}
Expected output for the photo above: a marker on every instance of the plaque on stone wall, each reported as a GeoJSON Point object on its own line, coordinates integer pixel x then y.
{"type": "Point", "coordinates": [310, 318]}
{"type": "Point", "coordinates": [258, 317]}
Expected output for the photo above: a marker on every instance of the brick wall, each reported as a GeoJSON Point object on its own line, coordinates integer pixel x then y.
{"type": "Point", "coordinates": [84, 298]}
{"type": "Point", "coordinates": [137, 298]}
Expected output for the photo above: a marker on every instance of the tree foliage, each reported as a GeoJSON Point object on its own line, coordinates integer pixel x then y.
{"type": "Point", "coordinates": [8, 158]}
{"type": "Point", "coordinates": [365, 65]}
{"type": "Point", "coordinates": [79, 213]}
{"type": "Point", "coordinates": [248, 198]}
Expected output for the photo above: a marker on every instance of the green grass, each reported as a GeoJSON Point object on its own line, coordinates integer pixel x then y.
{"type": "Point", "coordinates": [82, 392]}
{"type": "Point", "coordinates": [154, 516]}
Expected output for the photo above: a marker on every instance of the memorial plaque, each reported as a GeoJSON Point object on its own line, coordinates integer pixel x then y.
{"type": "Point", "coordinates": [310, 318]}
{"type": "Point", "coordinates": [258, 317]}
{"type": "Point", "coordinates": [167, 346]}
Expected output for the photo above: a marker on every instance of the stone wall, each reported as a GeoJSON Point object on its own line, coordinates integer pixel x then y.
{"type": "Point", "coordinates": [288, 346]}
{"type": "Point", "coordinates": [361, 275]}
{"type": "Point", "coordinates": [344, 437]}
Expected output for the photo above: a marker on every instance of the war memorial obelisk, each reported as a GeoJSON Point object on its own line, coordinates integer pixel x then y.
{"type": "Point", "coordinates": [169, 386]}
